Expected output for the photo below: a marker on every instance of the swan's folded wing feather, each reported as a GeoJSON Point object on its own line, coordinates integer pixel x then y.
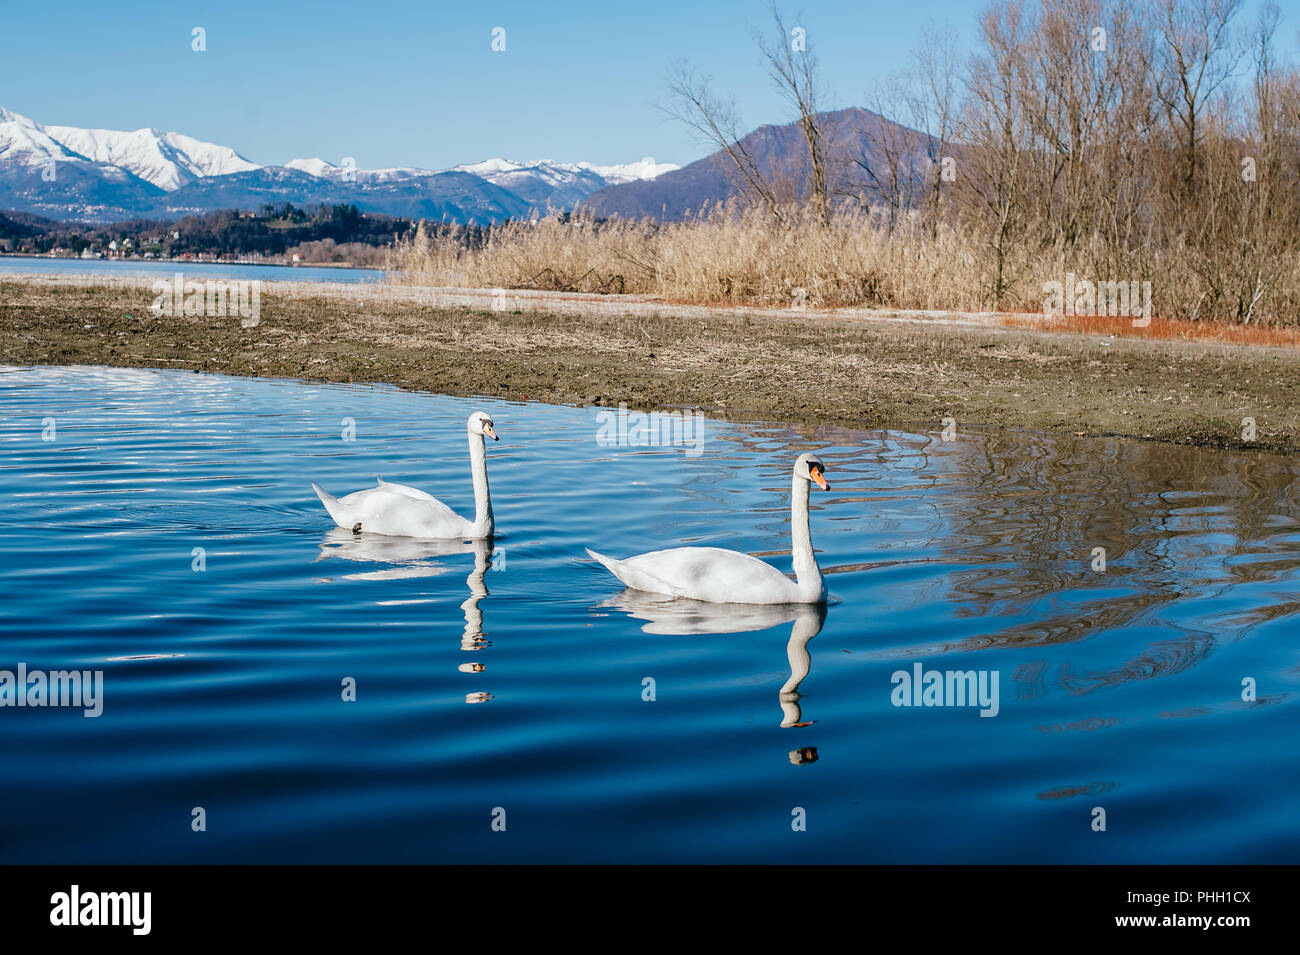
{"type": "Point", "coordinates": [711, 573]}
{"type": "Point", "coordinates": [411, 492]}
{"type": "Point", "coordinates": [387, 510]}
{"type": "Point", "coordinates": [636, 575]}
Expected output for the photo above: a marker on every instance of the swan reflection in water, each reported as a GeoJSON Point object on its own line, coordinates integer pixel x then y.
{"type": "Point", "coordinates": [406, 556]}
{"type": "Point", "coordinates": [413, 557]}
{"type": "Point", "coordinates": [681, 617]}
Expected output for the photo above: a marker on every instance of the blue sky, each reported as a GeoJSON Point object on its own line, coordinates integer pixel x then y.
{"type": "Point", "coordinates": [417, 83]}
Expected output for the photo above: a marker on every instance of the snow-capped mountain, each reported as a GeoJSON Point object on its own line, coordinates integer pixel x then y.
{"type": "Point", "coordinates": [646, 169]}
{"type": "Point", "coordinates": [563, 184]}
{"type": "Point", "coordinates": [559, 184]}
{"type": "Point", "coordinates": [166, 160]}
{"type": "Point", "coordinates": [350, 173]}
{"type": "Point", "coordinates": [22, 140]}
{"type": "Point", "coordinates": [66, 172]}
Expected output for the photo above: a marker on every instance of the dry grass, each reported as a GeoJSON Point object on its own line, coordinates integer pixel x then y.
{"type": "Point", "coordinates": [714, 259]}
{"type": "Point", "coordinates": [727, 257]}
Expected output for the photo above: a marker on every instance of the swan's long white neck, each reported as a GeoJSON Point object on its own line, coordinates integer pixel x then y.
{"type": "Point", "coordinates": [483, 523]}
{"type": "Point", "coordinates": [806, 571]}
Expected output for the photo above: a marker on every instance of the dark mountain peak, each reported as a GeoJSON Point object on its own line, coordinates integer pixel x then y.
{"type": "Point", "coordinates": [779, 151]}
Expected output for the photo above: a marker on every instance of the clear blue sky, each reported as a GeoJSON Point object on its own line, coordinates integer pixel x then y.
{"type": "Point", "coordinates": [417, 83]}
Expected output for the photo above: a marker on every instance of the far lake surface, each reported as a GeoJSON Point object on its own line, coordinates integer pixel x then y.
{"type": "Point", "coordinates": [166, 533]}
{"type": "Point", "coordinates": [217, 271]}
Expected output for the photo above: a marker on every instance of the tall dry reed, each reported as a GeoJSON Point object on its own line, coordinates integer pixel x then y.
{"type": "Point", "coordinates": [746, 258]}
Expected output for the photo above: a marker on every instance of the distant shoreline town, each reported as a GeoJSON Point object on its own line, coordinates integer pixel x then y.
{"type": "Point", "coordinates": [275, 234]}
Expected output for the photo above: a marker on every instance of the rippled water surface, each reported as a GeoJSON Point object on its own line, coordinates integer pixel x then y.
{"type": "Point", "coordinates": [509, 682]}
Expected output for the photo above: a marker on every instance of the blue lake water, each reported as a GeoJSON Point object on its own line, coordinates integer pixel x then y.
{"type": "Point", "coordinates": [218, 271]}
{"type": "Point", "coordinates": [513, 679]}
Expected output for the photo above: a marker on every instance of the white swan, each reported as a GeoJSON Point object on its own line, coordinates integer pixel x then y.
{"type": "Point", "coordinates": [401, 511]}
{"type": "Point", "coordinates": [716, 575]}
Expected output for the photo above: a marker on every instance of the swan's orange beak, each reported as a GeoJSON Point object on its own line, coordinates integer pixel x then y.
{"type": "Point", "coordinates": [490, 432]}
{"type": "Point", "coordinates": [816, 473]}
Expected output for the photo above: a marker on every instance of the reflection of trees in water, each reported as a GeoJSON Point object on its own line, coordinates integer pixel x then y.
{"type": "Point", "coordinates": [1246, 621]}
{"type": "Point", "coordinates": [1097, 788]}
{"type": "Point", "coordinates": [1163, 658]}
{"type": "Point", "coordinates": [1028, 509]}
{"type": "Point", "coordinates": [1015, 516]}
{"type": "Point", "coordinates": [1029, 680]}
{"type": "Point", "coordinates": [1036, 505]}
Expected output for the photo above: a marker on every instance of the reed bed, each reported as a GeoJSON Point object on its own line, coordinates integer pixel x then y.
{"type": "Point", "coordinates": [726, 256]}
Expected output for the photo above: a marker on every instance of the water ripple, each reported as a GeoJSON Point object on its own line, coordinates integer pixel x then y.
{"type": "Point", "coordinates": [167, 536]}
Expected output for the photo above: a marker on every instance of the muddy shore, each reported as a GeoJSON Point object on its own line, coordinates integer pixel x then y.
{"type": "Point", "coordinates": [885, 371]}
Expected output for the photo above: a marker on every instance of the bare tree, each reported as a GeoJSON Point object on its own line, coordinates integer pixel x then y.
{"type": "Point", "coordinates": [717, 122]}
{"type": "Point", "coordinates": [890, 154]}
{"type": "Point", "coordinates": [1196, 56]}
{"type": "Point", "coordinates": [794, 73]}
{"type": "Point", "coordinates": [932, 107]}
{"type": "Point", "coordinates": [995, 127]}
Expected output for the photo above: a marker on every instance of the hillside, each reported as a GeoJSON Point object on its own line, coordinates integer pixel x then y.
{"type": "Point", "coordinates": [780, 151]}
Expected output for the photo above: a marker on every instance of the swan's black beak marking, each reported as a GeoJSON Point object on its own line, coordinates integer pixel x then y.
{"type": "Point", "coordinates": [490, 432]}
{"type": "Point", "coordinates": [816, 471]}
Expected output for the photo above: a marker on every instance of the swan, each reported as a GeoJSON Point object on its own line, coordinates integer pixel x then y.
{"type": "Point", "coordinates": [400, 511]}
{"type": "Point", "coordinates": [715, 575]}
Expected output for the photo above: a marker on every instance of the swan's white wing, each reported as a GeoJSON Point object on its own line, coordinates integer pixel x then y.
{"type": "Point", "coordinates": [386, 510]}
{"type": "Point", "coordinates": [411, 492]}
{"type": "Point", "coordinates": [704, 573]}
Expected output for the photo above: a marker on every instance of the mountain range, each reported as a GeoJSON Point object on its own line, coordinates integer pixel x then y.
{"type": "Point", "coordinates": [100, 175]}
{"type": "Point", "coordinates": [95, 175]}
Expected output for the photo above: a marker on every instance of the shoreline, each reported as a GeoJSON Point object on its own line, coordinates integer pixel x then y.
{"type": "Point", "coordinates": [127, 263]}
{"type": "Point", "coordinates": [851, 367]}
